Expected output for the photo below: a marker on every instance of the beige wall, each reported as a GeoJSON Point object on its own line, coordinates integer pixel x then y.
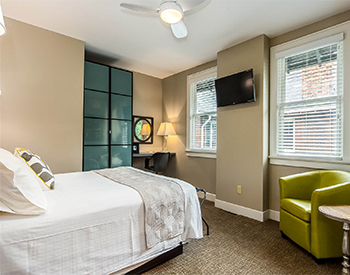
{"type": "Point", "coordinates": [242, 130]}
{"type": "Point", "coordinates": [148, 102]}
{"type": "Point", "coordinates": [42, 76]}
{"type": "Point", "coordinates": [277, 171]}
{"type": "Point", "coordinates": [237, 163]}
{"type": "Point", "coordinates": [200, 172]}
{"type": "Point", "coordinates": [315, 27]}
{"type": "Point", "coordinates": [42, 94]}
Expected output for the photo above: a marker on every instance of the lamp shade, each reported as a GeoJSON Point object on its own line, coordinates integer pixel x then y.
{"type": "Point", "coordinates": [145, 130]}
{"type": "Point", "coordinates": [166, 129]}
{"type": "Point", "coordinates": [2, 23]}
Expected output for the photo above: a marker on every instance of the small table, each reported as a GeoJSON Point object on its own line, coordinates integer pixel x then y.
{"type": "Point", "coordinates": [144, 155]}
{"type": "Point", "coordinates": [340, 213]}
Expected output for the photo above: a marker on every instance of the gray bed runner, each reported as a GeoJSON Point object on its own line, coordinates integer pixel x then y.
{"type": "Point", "coordinates": [163, 198]}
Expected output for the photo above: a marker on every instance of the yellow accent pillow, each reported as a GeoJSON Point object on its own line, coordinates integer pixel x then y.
{"type": "Point", "coordinates": [39, 167]}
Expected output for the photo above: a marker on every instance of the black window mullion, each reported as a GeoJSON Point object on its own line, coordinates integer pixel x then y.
{"type": "Point", "coordinates": [93, 90]}
{"type": "Point", "coordinates": [110, 120]}
{"type": "Point", "coordinates": [116, 144]}
{"type": "Point", "coordinates": [82, 163]}
{"type": "Point", "coordinates": [92, 117]}
{"type": "Point", "coordinates": [95, 145]}
{"type": "Point", "coordinates": [121, 119]}
{"type": "Point", "coordinates": [132, 113]}
{"type": "Point", "coordinates": [122, 94]}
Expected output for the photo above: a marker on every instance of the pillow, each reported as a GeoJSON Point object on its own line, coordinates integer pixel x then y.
{"type": "Point", "coordinates": [46, 178]}
{"type": "Point", "coordinates": [19, 189]}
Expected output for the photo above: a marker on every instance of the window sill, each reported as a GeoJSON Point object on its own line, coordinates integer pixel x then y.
{"type": "Point", "coordinates": [201, 154]}
{"type": "Point", "coordinates": [307, 163]}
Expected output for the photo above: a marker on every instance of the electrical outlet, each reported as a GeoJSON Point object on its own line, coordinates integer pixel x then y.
{"type": "Point", "coordinates": [239, 189]}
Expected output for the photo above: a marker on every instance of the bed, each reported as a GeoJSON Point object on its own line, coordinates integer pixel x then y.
{"type": "Point", "coordinates": [93, 225]}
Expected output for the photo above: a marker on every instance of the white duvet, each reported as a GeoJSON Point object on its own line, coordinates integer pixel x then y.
{"type": "Point", "coordinates": [93, 226]}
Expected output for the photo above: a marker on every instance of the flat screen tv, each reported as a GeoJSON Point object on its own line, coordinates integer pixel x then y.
{"type": "Point", "coordinates": [235, 89]}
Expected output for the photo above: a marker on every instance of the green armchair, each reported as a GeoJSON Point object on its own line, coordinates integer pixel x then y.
{"type": "Point", "coordinates": [300, 220]}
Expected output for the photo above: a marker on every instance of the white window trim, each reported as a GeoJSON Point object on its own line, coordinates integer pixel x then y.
{"type": "Point", "coordinates": [201, 154]}
{"type": "Point", "coordinates": [208, 73]}
{"type": "Point", "coordinates": [344, 164]}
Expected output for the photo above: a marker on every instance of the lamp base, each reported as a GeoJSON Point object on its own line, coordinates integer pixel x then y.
{"type": "Point", "coordinates": [165, 149]}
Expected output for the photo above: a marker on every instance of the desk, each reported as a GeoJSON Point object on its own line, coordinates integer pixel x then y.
{"type": "Point", "coordinates": [145, 155]}
{"type": "Point", "coordinates": [141, 155]}
{"type": "Point", "coordinates": [138, 160]}
{"type": "Point", "coordinates": [340, 213]}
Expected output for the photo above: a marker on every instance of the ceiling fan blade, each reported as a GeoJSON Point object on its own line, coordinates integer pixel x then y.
{"type": "Point", "coordinates": [139, 8]}
{"type": "Point", "coordinates": [188, 5]}
{"type": "Point", "coordinates": [179, 29]}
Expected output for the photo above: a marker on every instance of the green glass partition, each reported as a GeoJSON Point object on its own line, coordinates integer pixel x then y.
{"type": "Point", "coordinates": [121, 82]}
{"type": "Point", "coordinates": [107, 117]}
{"type": "Point", "coordinates": [95, 131]}
{"type": "Point", "coordinates": [96, 104]}
{"type": "Point", "coordinates": [121, 107]}
{"type": "Point", "coordinates": [95, 157]}
{"type": "Point", "coordinates": [96, 77]}
{"type": "Point", "coordinates": [120, 132]}
{"type": "Point", "coordinates": [121, 156]}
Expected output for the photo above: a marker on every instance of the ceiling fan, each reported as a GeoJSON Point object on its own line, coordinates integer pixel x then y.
{"type": "Point", "coordinates": [171, 12]}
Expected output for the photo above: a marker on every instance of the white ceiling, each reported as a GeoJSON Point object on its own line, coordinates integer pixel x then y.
{"type": "Point", "coordinates": [144, 44]}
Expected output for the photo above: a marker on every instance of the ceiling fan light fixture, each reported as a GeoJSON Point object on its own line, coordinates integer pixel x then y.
{"type": "Point", "coordinates": [171, 13]}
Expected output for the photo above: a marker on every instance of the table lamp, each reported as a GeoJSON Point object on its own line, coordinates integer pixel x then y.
{"type": "Point", "coordinates": [145, 130]}
{"type": "Point", "coordinates": [166, 129]}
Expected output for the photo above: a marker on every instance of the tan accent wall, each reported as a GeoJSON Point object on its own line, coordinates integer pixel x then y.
{"type": "Point", "coordinates": [243, 130]}
{"type": "Point", "coordinates": [277, 171]}
{"type": "Point", "coordinates": [200, 172]}
{"type": "Point", "coordinates": [148, 102]}
{"type": "Point", "coordinates": [42, 94]}
{"type": "Point", "coordinates": [315, 27]}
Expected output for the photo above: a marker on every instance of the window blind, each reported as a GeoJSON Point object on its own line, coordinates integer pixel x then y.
{"type": "Point", "coordinates": [203, 115]}
{"type": "Point", "coordinates": [310, 102]}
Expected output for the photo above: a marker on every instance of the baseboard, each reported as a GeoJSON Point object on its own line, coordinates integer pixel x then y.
{"type": "Point", "coordinates": [241, 210]}
{"type": "Point", "coordinates": [248, 212]}
{"type": "Point", "coordinates": [274, 215]}
{"type": "Point", "coordinates": [210, 196]}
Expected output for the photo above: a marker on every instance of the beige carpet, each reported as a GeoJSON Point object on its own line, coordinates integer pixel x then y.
{"type": "Point", "coordinates": [239, 245]}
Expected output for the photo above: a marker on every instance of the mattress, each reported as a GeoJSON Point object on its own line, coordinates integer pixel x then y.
{"type": "Point", "coordinates": [93, 226]}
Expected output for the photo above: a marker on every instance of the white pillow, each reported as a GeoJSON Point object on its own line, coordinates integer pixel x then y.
{"type": "Point", "coordinates": [19, 189]}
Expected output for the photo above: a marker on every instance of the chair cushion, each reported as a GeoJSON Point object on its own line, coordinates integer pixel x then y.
{"type": "Point", "coordinates": [298, 208]}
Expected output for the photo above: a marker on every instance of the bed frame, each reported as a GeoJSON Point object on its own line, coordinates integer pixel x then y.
{"type": "Point", "coordinates": [158, 260]}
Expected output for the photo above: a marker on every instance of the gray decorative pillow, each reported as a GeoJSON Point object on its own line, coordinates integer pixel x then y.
{"type": "Point", "coordinates": [39, 167]}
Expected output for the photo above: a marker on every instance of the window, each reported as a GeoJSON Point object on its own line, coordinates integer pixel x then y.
{"type": "Point", "coordinates": [201, 114]}
{"type": "Point", "coordinates": [309, 92]}
{"type": "Point", "coordinates": [309, 103]}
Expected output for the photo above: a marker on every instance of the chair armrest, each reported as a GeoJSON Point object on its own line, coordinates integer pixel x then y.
{"type": "Point", "coordinates": [332, 195]}
{"type": "Point", "coordinates": [326, 234]}
{"type": "Point", "coordinates": [299, 186]}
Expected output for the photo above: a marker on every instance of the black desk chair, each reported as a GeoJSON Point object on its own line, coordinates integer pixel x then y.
{"type": "Point", "coordinates": [160, 162]}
